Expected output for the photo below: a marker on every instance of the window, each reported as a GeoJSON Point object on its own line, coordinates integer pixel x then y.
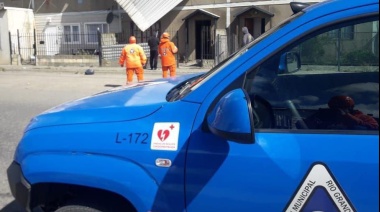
{"type": "Point", "coordinates": [143, 37]}
{"type": "Point", "coordinates": [71, 33]}
{"type": "Point", "coordinates": [92, 31]}
{"type": "Point", "coordinates": [320, 83]}
{"type": "Point", "coordinates": [345, 33]}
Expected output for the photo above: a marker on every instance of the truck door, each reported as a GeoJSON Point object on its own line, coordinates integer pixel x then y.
{"type": "Point", "coordinates": [308, 154]}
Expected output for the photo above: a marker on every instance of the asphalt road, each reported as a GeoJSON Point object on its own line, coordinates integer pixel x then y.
{"type": "Point", "coordinates": [24, 94]}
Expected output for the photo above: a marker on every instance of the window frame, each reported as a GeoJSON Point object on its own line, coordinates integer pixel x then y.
{"type": "Point", "coordinates": [72, 35]}
{"type": "Point", "coordinates": [345, 33]}
{"type": "Point", "coordinates": [102, 30]}
{"type": "Point", "coordinates": [294, 43]}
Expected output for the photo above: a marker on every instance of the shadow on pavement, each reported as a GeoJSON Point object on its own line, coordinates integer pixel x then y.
{"type": "Point", "coordinates": [112, 86]}
{"type": "Point", "coordinates": [13, 207]}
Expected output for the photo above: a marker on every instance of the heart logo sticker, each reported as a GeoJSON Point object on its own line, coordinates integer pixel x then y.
{"type": "Point", "coordinates": [163, 134]}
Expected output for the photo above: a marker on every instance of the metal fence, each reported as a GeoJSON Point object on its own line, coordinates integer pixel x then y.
{"type": "Point", "coordinates": [357, 49]}
{"type": "Point", "coordinates": [113, 43]}
{"type": "Point", "coordinates": [23, 44]}
{"type": "Point", "coordinates": [330, 48]}
{"type": "Point", "coordinates": [61, 44]}
{"type": "Point", "coordinates": [222, 51]}
{"type": "Point", "coordinates": [106, 46]}
{"type": "Point", "coordinates": [30, 45]}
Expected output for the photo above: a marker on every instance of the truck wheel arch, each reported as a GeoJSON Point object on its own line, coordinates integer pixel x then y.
{"type": "Point", "coordinates": [116, 175]}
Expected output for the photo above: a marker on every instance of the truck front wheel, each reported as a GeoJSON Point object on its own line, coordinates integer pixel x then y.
{"type": "Point", "coordinates": [77, 208]}
{"type": "Point", "coordinates": [92, 205]}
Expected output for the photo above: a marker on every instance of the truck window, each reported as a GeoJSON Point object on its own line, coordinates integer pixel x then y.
{"type": "Point", "coordinates": [334, 87]}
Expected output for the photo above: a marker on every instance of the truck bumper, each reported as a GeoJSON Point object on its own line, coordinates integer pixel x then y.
{"type": "Point", "coordinates": [20, 188]}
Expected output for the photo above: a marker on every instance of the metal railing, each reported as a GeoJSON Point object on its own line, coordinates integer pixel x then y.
{"type": "Point", "coordinates": [106, 46]}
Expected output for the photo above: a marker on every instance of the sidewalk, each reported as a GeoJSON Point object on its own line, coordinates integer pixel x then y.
{"type": "Point", "coordinates": [183, 68]}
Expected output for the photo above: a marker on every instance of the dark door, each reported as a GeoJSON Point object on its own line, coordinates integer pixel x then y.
{"type": "Point", "coordinates": [203, 39]}
{"type": "Point", "coordinates": [250, 23]}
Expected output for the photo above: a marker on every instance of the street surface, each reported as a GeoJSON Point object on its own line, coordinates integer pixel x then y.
{"type": "Point", "coordinates": [24, 94]}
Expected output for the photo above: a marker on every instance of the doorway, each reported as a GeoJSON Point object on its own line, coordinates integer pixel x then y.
{"type": "Point", "coordinates": [250, 24]}
{"type": "Point", "coordinates": [51, 40]}
{"type": "Point", "coordinates": [203, 40]}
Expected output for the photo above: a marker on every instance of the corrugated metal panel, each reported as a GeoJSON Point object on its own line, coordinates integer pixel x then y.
{"type": "Point", "coordinates": [112, 52]}
{"type": "Point", "coordinates": [147, 12]}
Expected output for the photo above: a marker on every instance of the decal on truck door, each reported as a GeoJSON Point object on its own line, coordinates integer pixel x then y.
{"type": "Point", "coordinates": [319, 192]}
{"type": "Point", "coordinates": [165, 136]}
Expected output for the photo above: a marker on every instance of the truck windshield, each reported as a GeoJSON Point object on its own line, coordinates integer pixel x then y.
{"type": "Point", "coordinates": [191, 84]}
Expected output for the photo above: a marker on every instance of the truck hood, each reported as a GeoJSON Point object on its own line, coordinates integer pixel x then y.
{"type": "Point", "coordinates": [120, 104]}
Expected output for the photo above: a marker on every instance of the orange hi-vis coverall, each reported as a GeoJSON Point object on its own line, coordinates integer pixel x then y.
{"type": "Point", "coordinates": [166, 50]}
{"type": "Point", "coordinates": [133, 56]}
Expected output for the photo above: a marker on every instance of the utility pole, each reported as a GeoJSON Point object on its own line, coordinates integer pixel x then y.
{"type": "Point", "coordinates": [228, 14]}
{"type": "Point", "coordinates": [31, 4]}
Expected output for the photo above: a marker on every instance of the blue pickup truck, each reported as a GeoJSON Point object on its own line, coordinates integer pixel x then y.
{"type": "Point", "coordinates": [288, 123]}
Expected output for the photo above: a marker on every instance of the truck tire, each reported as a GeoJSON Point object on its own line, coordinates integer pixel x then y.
{"type": "Point", "coordinates": [92, 205]}
{"type": "Point", "coordinates": [77, 208]}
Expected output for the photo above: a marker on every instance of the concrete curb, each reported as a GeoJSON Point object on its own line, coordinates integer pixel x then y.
{"type": "Point", "coordinates": [81, 70]}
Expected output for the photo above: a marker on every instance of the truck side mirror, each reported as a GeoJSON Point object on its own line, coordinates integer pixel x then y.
{"type": "Point", "coordinates": [232, 118]}
{"type": "Point", "coordinates": [290, 62]}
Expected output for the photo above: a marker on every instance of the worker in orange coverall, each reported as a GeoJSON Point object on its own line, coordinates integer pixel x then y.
{"type": "Point", "coordinates": [351, 118]}
{"type": "Point", "coordinates": [342, 115]}
{"type": "Point", "coordinates": [167, 51]}
{"type": "Point", "coordinates": [134, 58]}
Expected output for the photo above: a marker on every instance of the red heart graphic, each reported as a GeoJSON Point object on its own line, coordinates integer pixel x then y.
{"type": "Point", "coordinates": [163, 135]}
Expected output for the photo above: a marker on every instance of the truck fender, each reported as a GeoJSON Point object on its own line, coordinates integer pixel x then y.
{"type": "Point", "coordinates": [118, 175]}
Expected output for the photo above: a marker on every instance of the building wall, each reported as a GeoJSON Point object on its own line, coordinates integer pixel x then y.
{"type": "Point", "coordinates": [49, 24]}
{"type": "Point", "coordinates": [228, 22]}
{"type": "Point", "coordinates": [14, 20]}
{"type": "Point", "coordinates": [281, 12]}
{"type": "Point", "coordinates": [20, 19]}
{"type": "Point", "coordinates": [81, 18]}
{"type": "Point", "coordinates": [4, 39]}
